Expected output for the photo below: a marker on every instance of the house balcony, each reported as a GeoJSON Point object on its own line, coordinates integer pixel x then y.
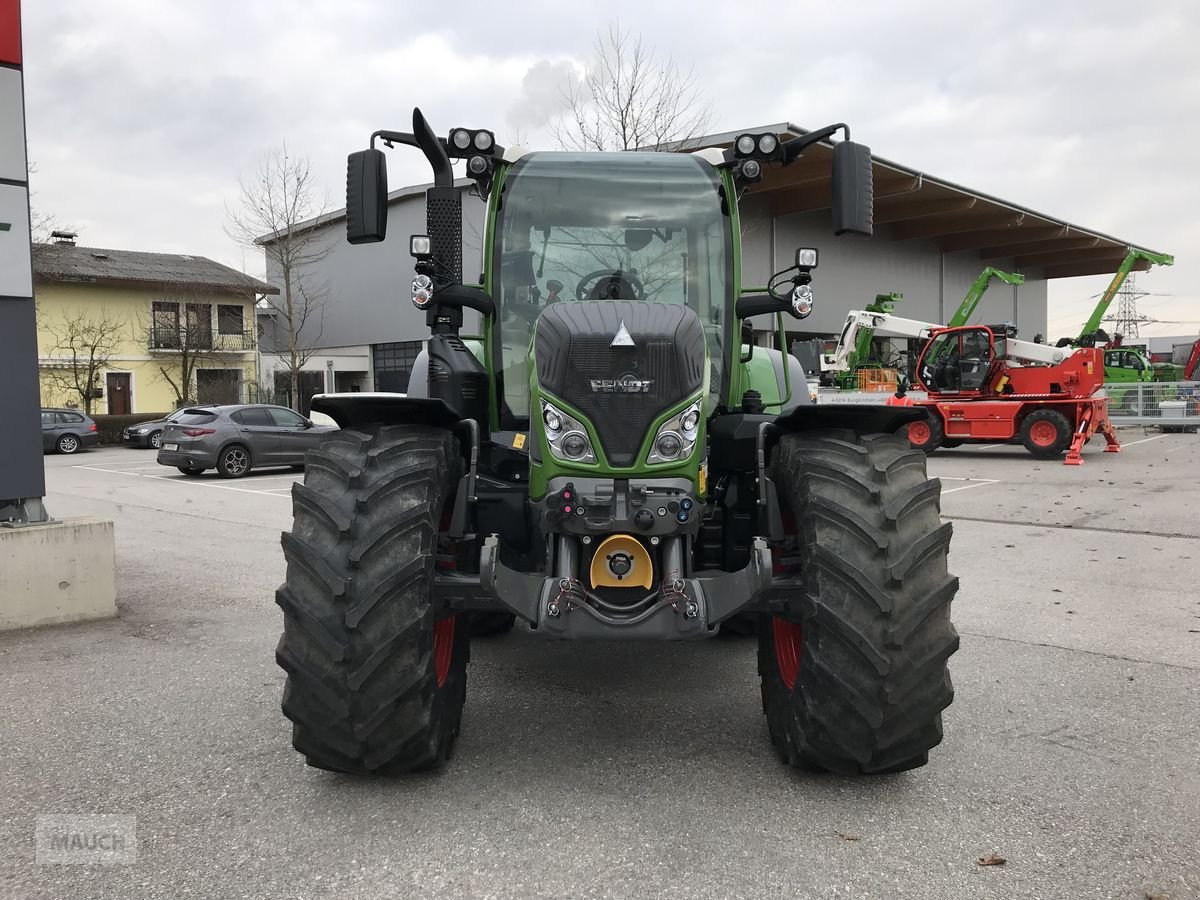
{"type": "Point", "coordinates": [172, 340]}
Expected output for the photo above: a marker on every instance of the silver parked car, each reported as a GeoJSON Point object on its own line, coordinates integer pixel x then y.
{"type": "Point", "coordinates": [235, 439]}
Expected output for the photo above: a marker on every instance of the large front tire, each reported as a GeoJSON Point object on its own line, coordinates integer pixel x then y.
{"type": "Point", "coordinates": [375, 684]}
{"type": "Point", "coordinates": [853, 669]}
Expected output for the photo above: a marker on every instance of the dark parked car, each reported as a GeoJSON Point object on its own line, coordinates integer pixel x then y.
{"type": "Point", "coordinates": [148, 434]}
{"type": "Point", "coordinates": [66, 430]}
{"type": "Point", "coordinates": [235, 439]}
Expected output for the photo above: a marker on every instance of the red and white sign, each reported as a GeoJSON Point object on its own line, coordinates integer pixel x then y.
{"type": "Point", "coordinates": [10, 32]}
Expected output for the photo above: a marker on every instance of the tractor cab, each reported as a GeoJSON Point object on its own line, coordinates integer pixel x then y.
{"type": "Point", "coordinates": [638, 237]}
{"type": "Point", "coordinates": [960, 360]}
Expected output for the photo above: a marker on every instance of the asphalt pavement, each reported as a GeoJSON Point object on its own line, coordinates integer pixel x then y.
{"type": "Point", "coordinates": [1072, 749]}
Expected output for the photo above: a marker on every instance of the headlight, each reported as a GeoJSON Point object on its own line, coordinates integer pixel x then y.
{"type": "Point", "coordinates": [767, 144]}
{"type": "Point", "coordinates": [802, 300]}
{"type": "Point", "coordinates": [422, 291]}
{"type": "Point", "coordinates": [461, 139]}
{"type": "Point", "coordinates": [745, 144]}
{"type": "Point", "coordinates": [566, 436]}
{"type": "Point", "coordinates": [676, 437]}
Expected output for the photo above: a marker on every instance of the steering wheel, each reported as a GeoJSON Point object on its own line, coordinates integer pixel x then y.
{"type": "Point", "coordinates": [610, 285]}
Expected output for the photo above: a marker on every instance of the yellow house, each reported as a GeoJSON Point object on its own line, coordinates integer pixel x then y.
{"type": "Point", "coordinates": [123, 331]}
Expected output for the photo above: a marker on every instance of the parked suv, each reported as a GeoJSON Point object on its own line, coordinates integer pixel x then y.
{"type": "Point", "coordinates": [235, 439]}
{"type": "Point", "coordinates": [66, 430]}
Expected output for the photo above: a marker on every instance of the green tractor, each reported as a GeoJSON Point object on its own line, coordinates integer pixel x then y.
{"type": "Point", "coordinates": [602, 463]}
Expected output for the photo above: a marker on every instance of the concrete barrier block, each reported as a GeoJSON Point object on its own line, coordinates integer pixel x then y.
{"type": "Point", "coordinates": [61, 572]}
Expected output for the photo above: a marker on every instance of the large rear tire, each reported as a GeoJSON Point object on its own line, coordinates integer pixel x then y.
{"type": "Point", "coordinates": [853, 669]}
{"type": "Point", "coordinates": [375, 685]}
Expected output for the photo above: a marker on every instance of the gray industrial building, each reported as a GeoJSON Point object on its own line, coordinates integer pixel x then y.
{"type": "Point", "coordinates": [932, 239]}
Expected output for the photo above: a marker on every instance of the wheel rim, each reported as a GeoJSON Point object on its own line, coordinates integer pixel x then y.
{"type": "Point", "coordinates": [919, 433]}
{"type": "Point", "coordinates": [68, 445]}
{"type": "Point", "coordinates": [1043, 433]}
{"type": "Point", "coordinates": [156, 440]}
{"type": "Point", "coordinates": [443, 648]}
{"type": "Point", "coordinates": [789, 645]}
{"type": "Point", "coordinates": [235, 462]}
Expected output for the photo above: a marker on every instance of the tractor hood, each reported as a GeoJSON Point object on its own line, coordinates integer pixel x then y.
{"type": "Point", "coordinates": [621, 363]}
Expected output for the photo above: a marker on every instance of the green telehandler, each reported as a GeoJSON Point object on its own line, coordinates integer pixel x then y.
{"type": "Point", "coordinates": [1122, 365]}
{"type": "Point", "coordinates": [601, 463]}
{"type": "Point", "coordinates": [864, 355]}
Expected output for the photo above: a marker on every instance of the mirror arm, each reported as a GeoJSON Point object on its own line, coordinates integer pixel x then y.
{"type": "Point", "coordinates": [460, 295]}
{"type": "Point", "coordinates": [797, 145]}
{"type": "Point", "coordinates": [394, 137]}
{"type": "Point", "coordinates": [760, 305]}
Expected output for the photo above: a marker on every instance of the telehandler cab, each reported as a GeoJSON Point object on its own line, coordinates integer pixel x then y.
{"type": "Point", "coordinates": [611, 459]}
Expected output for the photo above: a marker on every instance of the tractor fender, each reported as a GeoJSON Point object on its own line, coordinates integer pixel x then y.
{"type": "Point", "coordinates": [860, 418]}
{"type": "Point", "coordinates": [357, 409]}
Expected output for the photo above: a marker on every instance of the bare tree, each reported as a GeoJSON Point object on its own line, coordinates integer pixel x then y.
{"type": "Point", "coordinates": [629, 99]}
{"type": "Point", "coordinates": [81, 347]}
{"type": "Point", "coordinates": [180, 333]}
{"type": "Point", "coordinates": [275, 203]}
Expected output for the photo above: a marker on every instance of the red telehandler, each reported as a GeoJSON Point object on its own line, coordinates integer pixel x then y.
{"type": "Point", "coordinates": [983, 386]}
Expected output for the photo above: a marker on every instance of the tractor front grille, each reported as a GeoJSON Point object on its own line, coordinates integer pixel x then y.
{"type": "Point", "coordinates": [620, 389]}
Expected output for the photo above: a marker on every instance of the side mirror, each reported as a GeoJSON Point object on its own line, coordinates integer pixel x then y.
{"type": "Point", "coordinates": [853, 189]}
{"type": "Point", "coordinates": [366, 196]}
{"type": "Point", "coordinates": [308, 423]}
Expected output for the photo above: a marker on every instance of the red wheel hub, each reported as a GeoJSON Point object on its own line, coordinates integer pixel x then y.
{"type": "Point", "coordinates": [443, 648]}
{"type": "Point", "coordinates": [789, 645]}
{"type": "Point", "coordinates": [1043, 433]}
{"type": "Point", "coordinates": [919, 434]}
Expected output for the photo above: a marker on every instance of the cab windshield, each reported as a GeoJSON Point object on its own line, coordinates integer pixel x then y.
{"type": "Point", "coordinates": [593, 226]}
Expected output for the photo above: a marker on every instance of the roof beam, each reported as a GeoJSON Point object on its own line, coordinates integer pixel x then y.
{"type": "Point", "coordinates": [807, 198]}
{"type": "Point", "coordinates": [901, 210]}
{"type": "Point", "coordinates": [896, 185]}
{"type": "Point", "coordinates": [1095, 267]}
{"type": "Point", "coordinates": [1051, 244]}
{"type": "Point", "coordinates": [996, 237]}
{"type": "Point", "coordinates": [938, 226]}
{"type": "Point", "coordinates": [1052, 256]}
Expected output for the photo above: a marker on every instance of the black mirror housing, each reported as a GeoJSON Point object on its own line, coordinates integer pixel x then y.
{"type": "Point", "coordinates": [853, 189]}
{"type": "Point", "coordinates": [366, 196]}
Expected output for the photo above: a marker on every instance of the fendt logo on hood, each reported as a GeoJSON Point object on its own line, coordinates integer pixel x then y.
{"type": "Point", "coordinates": [626, 384]}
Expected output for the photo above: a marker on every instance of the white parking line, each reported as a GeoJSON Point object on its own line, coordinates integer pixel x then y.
{"type": "Point", "coordinates": [190, 482]}
{"type": "Point", "coordinates": [979, 482]}
{"type": "Point", "coordinates": [1157, 437]}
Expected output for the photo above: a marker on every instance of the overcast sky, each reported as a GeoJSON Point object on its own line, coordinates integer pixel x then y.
{"type": "Point", "coordinates": [142, 113]}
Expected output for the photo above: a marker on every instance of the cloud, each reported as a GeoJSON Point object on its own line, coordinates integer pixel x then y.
{"type": "Point", "coordinates": [141, 113]}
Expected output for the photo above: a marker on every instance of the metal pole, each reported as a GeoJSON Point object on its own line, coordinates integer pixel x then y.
{"type": "Point", "coordinates": [22, 475]}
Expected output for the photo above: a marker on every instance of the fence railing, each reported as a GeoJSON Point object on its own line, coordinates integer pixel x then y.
{"type": "Point", "coordinates": [1168, 403]}
{"type": "Point", "coordinates": [174, 340]}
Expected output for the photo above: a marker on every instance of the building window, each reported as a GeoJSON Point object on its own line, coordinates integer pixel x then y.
{"type": "Point", "coordinates": [165, 326]}
{"type": "Point", "coordinates": [199, 326]}
{"type": "Point", "coordinates": [229, 319]}
{"type": "Point", "coordinates": [393, 364]}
